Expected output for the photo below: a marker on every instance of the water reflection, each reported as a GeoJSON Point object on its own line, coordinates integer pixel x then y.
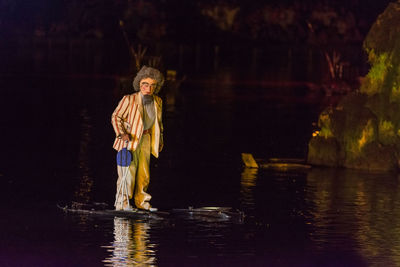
{"type": "Point", "coordinates": [247, 185]}
{"type": "Point", "coordinates": [356, 211]}
{"type": "Point", "coordinates": [131, 244]}
{"type": "Point", "coordinates": [83, 190]}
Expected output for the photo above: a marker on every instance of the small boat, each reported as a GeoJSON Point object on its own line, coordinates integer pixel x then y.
{"type": "Point", "coordinates": [279, 164]}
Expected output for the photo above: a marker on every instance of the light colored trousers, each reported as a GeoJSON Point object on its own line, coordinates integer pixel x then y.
{"type": "Point", "coordinates": [138, 176]}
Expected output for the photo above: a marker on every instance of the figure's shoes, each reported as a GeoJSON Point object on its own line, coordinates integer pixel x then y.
{"type": "Point", "coordinates": [153, 209]}
{"type": "Point", "coordinates": [129, 208]}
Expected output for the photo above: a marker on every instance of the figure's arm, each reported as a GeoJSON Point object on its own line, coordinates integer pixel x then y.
{"type": "Point", "coordinates": [118, 117]}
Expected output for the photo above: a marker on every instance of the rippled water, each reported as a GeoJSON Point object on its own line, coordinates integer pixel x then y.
{"type": "Point", "coordinates": [57, 148]}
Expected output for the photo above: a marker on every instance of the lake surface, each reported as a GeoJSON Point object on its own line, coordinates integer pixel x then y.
{"type": "Point", "coordinates": [57, 148]}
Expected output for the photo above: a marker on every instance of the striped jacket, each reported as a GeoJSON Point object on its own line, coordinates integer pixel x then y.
{"type": "Point", "coordinates": [127, 118]}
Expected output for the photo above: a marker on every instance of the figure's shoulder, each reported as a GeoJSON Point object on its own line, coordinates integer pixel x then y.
{"type": "Point", "coordinates": [157, 99]}
{"type": "Point", "coordinates": [134, 95]}
{"type": "Point", "coordinates": [131, 97]}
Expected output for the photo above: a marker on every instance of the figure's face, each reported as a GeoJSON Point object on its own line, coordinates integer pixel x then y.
{"type": "Point", "coordinates": [147, 86]}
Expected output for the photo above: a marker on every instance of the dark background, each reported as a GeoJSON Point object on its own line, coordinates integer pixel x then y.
{"type": "Point", "coordinates": [65, 61]}
{"type": "Point", "coordinates": [255, 83]}
{"type": "Point", "coordinates": [166, 27]}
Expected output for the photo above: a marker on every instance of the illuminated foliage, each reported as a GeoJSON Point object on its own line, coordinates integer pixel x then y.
{"type": "Point", "coordinates": [354, 142]}
{"type": "Point", "coordinates": [387, 133]}
{"type": "Point", "coordinates": [367, 135]}
{"type": "Point", "coordinates": [395, 96]}
{"type": "Point", "coordinates": [325, 124]}
{"type": "Point", "coordinates": [366, 124]}
{"type": "Point", "coordinates": [376, 75]}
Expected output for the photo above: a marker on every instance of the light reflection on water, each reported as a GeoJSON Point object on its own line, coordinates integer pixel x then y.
{"type": "Point", "coordinates": [361, 207]}
{"type": "Point", "coordinates": [85, 186]}
{"type": "Point", "coordinates": [131, 245]}
{"type": "Point", "coordinates": [247, 184]}
{"type": "Point", "coordinates": [348, 212]}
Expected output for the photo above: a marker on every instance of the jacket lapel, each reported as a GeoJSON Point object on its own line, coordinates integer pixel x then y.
{"type": "Point", "coordinates": [158, 107]}
{"type": "Point", "coordinates": [138, 102]}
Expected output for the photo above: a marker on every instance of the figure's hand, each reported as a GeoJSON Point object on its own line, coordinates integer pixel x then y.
{"type": "Point", "coordinates": [125, 137]}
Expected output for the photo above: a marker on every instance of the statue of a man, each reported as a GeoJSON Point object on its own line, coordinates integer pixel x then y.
{"type": "Point", "coordinates": [137, 122]}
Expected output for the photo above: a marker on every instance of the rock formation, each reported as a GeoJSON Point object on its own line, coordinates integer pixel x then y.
{"type": "Point", "coordinates": [363, 130]}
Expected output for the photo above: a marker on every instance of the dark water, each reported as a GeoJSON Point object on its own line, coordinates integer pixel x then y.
{"type": "Point", "coordinates": [56, 148]}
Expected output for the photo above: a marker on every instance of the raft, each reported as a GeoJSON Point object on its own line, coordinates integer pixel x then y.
{"type": "Point", "coordinates": [207, 214]}
{"type": "Point", "coordinates": [101, 211]}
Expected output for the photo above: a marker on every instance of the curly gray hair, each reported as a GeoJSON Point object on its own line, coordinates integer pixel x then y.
{"type": "Point", "coordinates": [148, 72]}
